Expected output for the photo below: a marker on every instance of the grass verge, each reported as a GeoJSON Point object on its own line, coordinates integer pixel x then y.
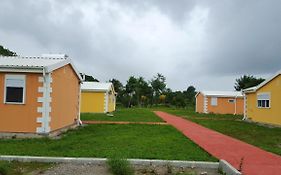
{"type": "Point", "coordinates": [106, 140]}
{"type": "Point", "coordinates": [125, 114]}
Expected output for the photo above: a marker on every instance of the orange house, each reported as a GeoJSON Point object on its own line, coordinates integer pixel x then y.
{"type": "Point", "coordinates": [39, 95]}
{"type": "Point", "coordinates": [220, 102]}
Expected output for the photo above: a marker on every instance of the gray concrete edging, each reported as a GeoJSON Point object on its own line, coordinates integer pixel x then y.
{"type": "Point", "coordinates": [222, 165]}
{"type": "Point", "coordinates": [227, 168]}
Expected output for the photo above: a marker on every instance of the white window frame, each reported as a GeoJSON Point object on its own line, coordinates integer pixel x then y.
{"type": "Point", "coordinates": [231, 100]}
{"type": "Point", "coordinates": [212, 101]}
{"type": "Point", "coordinates": [269, 105]}
{"type": "Point", "coordinates": [20, 77]}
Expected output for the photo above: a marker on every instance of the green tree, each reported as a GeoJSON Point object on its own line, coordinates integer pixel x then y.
{"type": "Point", "coordinates": [247, 81]}
{"type": "Point", "coordinates": [118, 86]}
{"type": "Point", "coordinates": [130, 90]}
{"type": "Point", "coordinates": [158, 84]}
{"type": "Point", "coordinates": [89, 78]}
{"type": "Point", "coordinates": [6, 52]}
{"type": "Point", "coordinates": [190, 96]}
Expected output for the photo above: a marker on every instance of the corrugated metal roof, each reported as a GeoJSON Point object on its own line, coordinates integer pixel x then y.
{"type": "Point", "coordinates": [223, 93]}
{"type": "Point", "coordinates": [49, 62]}
{"type": "Point", "coordinates": [95, 86]}
{"type": "Point", "coordinates": [29, 62]}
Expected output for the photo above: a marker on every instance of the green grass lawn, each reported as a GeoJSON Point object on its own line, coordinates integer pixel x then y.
{"type": "Point", "coordinates": [22, 168]}
{"type": "Point", "coordinates": [106, 140]}
{"type": "Point", "coordinates": [264, 137]}
{"type": "Point", "coordinates": [125, 114]}
{"type": "Point", "coordinates": [193, 115]}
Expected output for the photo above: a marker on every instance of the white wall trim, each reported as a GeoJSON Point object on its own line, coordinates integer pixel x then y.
{"type": "Point", "coordinates": [106, 102]}
{"type": "Point", "coordinates": [245, 107]}
{"type": "Point", "coordinates": [205, 105]}
{"type": "Point", "coordinates": [45, 100]}
{"type": "Point", "coordinates": [196, 110]}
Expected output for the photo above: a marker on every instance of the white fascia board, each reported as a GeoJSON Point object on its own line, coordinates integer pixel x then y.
{"type": "Point", "coordinates": [55, 66]}
{"type": "Point", "coordinates": [21, 69]}
{"type": "Point", "coordinates": [61, 64]}
{"type": "Point", "coordinates": [76, 71]}
{"type": "Point", "coordinates": [93, 90]}
{"type": "Point", "coordinates": [254, 89]}
{"type": "Point", "coordinates": [197, 94]}
{"type": "Point", "coordinates": [112, 88]}
{"type": "Point", "coordinates": [227, 96]}
{"type": "Point", "coordinates": [268, 80]}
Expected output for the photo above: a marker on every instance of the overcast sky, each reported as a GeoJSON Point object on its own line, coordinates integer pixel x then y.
{"type": "Point", "coordinates": [202, 43]}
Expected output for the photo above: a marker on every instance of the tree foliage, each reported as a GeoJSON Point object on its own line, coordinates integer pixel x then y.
{"type": "Point", "coordinates": [6, 52]}
{"type": "Point", "coordinates": [247, 81]}
{"type": "Point", "coordinates": [139, 92]}
{"type": "Point", "coordinates": [89, 78]}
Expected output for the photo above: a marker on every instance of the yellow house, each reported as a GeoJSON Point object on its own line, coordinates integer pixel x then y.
{"type": "Point", "coordinates": [97, 97]}
{"type": "Point", "coordinates": [263, 102]}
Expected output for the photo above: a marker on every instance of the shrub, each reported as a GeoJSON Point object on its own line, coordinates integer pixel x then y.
{"type": "Point", "coordinates": [3, 168]}
{"type": "Point", "coordinates": [119, 166]}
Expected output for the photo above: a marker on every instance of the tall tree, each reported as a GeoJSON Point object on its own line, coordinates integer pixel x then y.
{"type": "Point", "coordinates": [6, 52]}
{"type": "Point", "coordinates": [130, 89]}
{"type": "Point", "coordinates": [190, 96]}
{"type": "Point", "coordinates": [118, 86]}
{"type": "Point", "coordinates": [247, 81]}
{"type": "Point", "coordinates": [158, 84]}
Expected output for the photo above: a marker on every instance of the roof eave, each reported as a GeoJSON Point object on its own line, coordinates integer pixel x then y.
{"type": "Point", "coordinates": [60, 64]}
{"type": "Point", "coordinates": [21, 69]}
{"type": "Point", "coordinates": [94, 90]}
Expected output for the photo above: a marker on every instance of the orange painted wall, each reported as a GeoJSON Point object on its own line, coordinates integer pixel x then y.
{"type": "Point", "coordinates": [200, 103]}
{"type": "Point", "coordinates": [65, 98]}
{"type": "Point", "coordinates": [18, 117]}
{"type": "Point", "coordinates": [224, 107]}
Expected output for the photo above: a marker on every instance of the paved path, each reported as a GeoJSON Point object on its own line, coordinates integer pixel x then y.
{"type": "Point", "coordinates": [122, 122]}
{"type": "Point", "coordinates": [255, 160]}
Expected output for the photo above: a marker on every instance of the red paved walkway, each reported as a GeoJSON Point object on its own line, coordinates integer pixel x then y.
{"type": "Point", "coordinates": [121, 122]}
{"type": "Point", "coordinates": [256, 161]}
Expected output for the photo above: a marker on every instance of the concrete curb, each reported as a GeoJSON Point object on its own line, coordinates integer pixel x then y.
{"type": "Point", "coordinates": [222, 165]}
{"type": "Point", "coordinates": [225, 167]}
{"type": "Point", "coordinates": [98, 161]}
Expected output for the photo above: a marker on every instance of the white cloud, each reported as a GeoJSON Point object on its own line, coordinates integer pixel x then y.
{"type": "Point", "coordinates": [203, 43]}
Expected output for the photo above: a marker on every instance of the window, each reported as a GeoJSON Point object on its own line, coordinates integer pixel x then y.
{"type": "Point", "coordinates": [263, 100]}
{"type": "Point", "coordinates": [214, 101]}
{"type": "Point", "coordinates": [231, 101]}
{"type": "Point", "coordinates": [14, 89]}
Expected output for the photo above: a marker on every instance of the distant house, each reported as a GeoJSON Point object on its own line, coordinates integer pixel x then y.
{"type": "Point", "coordinates": [97, 97]}
{"type": "Point", "coordinates": [219, 102]}
{"type": "Point", "coordinates": [40, 95]}
{"type": "Point", "coordinates": [263, 102]}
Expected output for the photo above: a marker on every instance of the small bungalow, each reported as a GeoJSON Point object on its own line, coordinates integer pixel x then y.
{"type": "Point", "coordinates": [40, 95]}
{"type": "Point", "coordinates": [97, 97]}
{"type": "Point", "coordinates": [219, 102]}
{"type": "Point", "coordinates": [263, 102]}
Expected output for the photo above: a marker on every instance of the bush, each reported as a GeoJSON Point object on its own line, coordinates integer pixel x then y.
{"type": "Point", "coordinates": [3, 169]}
{"type": "Point", "coordinates": [119, 166]}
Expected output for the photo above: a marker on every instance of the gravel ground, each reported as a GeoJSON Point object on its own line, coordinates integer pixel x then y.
{"type": "Point", "coordinates": [89, 169]}
{"type": "Point", "coordinates": [75, 169]}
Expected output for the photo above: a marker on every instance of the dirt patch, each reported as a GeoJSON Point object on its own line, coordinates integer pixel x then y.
{"type": "Point", "coordinates": [90, 169]}
{"type": "Point", "coordinates": [77, 169]}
